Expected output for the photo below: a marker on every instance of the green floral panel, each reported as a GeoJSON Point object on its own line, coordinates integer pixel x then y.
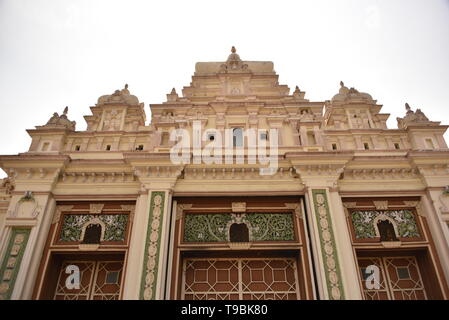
{"type": "Point", "coordinates": [214, 227]}
{"type": "Point", "coordinates": [363, 222]}
{"type": "Point", "coordinates": [11, 261]}
{"type": "Point", "coordinates": [73, 223]}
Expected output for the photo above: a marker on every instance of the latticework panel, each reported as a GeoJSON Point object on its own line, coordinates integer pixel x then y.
{"type": "Point", "coordinates": [382, 293]}
{"type": "Point", "coordinates": [86, 276]}
{"type": "Point", "coordinates": [243, 278]}
{"type": "Point", "coordinates": [399, 279]}
{"type": "Point", "coordinates": [405, 278]}
{"type": "Point", "coordinates": [108, 280]}
{"type": "Point", "coordinates": [99, 280]}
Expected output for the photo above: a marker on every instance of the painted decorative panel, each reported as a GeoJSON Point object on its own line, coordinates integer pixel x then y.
{"type": "Point", "coordinates": [364, 223]}
{"type": "Point", "coordinates": [214, 227]}
{"type": "Point", "coordinates": [115, 226]}
{"type": "Point", "coordinates": [152, 245]}
{"type": "Point", "coordinates": [328, 247]}
{"type": "Point", "coordinates": [11, 261]}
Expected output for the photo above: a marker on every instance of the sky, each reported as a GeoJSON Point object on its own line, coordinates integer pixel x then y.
{"type": "Point", "coordinates": [68, 53]}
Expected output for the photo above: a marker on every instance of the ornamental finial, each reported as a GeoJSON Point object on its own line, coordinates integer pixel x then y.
{"type": "Point", "coordinates": [233, 50]}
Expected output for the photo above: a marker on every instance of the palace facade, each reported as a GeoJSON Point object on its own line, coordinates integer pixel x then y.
{"type": "Point", "coordinates": [340, 207]}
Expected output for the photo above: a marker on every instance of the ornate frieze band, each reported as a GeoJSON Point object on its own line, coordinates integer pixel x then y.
{"type": "Point", "coordinates": [328, 248]}
{"type": "Point", "coordinates": [152, 245]}
{"type": "Point", "coordinates": [214, 227]}
{"type": "Point", "coordinates": [11, 261]}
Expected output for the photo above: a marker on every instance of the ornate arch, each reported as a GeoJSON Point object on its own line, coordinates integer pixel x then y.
{"type": "Point", "coordinates": [95, 220]}
{"type": "Point", "coordinates": [383, 217]}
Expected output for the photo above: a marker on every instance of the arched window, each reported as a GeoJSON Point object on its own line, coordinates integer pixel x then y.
{"type": "Point", "coordinates": [386, 230]}
{"type": "Point", "coordinates": [239, 232]}
{"type": "Point", "coordinates": [237, 137]}
{"type": "Point", "coordinates": [92, 234]}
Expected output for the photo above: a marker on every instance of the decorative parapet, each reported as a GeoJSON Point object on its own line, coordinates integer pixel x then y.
{"type": "Point", "coordinates": [12, 260]}
{"type": "Point", "coordinates": [152, 245]}
{"type": "Point", "coordinates": [59, 122]}
{"type": "Point", "coordinates": [414, 118]}
{"type": "Point", "coordinates": [328, 248]}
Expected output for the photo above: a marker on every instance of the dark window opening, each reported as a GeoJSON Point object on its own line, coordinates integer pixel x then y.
{"type": "Point", "coordinates": [396, 146]}
{"type": "Point", "coordinates": [237, 137]}
{"type": "Point", "coordinates": [403, 273]}
{"type": "Point", "coordinates": [140, 147]}
{"type": "Point", "coordinates": [334, 146]}
{"type": "Point", "coordinates": [211, 137]}
{"type": "Point", "coordinates": [386, 231]}
{"type": "Point", "coordinates": [239, 233]}
{"type": "Point", "coordinates": [366, 146]}
{"type": "Point", "coordinates": [112, 277]}
{"type": "Point", "coordinates": [77, 148]}
{"type": "Point", "coordinates": [92, 234]}
{"type": "Point", "coordinates": [165, 139]}
{"type": "Point", "coordinates": [108, 147]}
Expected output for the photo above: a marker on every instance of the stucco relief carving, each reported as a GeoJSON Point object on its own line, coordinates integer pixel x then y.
{"type": "Point", "coordinates": [412, 117]}
{"type": "Point", "coordinates": [60, 121]}
{"type": "Point", "coordinates": [26, 207]}
{"type": "Point", "coordinates": [381, 205]}
{"type": "Point", "coordinates": [112, 120]}
{"type": "Point", "coordinates": [239, 207]}
{"type": "Point", "coordinates": [96, 208]}
{"type": "Point", "coordinates": [297, 209]}
{"type": "Point", "coordinates": [180, 210]}
{"type": "Point", "coordinates": [59, 210]}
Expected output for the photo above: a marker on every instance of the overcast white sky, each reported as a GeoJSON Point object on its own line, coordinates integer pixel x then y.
{"type": "Point", "coordinates": [58, 53]}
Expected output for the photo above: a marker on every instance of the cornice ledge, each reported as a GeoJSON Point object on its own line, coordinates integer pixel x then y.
{"type": "Point", "coordinates": [35, 157]}
{"type": "Point", "coordinates": [129, 156]}
{"type": "Point", "coordinates": [348, 154]}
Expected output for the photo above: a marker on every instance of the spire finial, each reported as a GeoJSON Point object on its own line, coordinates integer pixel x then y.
{"type": "Point", "coordinates": [342, 84]}
{"type": "Point", "coordinates": [233, 50]}
{"type": "Point", "coordinates": [66, 110]}
{"type": "Point", "coordinates": [407, 106]}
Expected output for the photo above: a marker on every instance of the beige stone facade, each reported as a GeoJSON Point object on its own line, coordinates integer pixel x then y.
{"type": "Point", "coordinates": [340, 174]}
